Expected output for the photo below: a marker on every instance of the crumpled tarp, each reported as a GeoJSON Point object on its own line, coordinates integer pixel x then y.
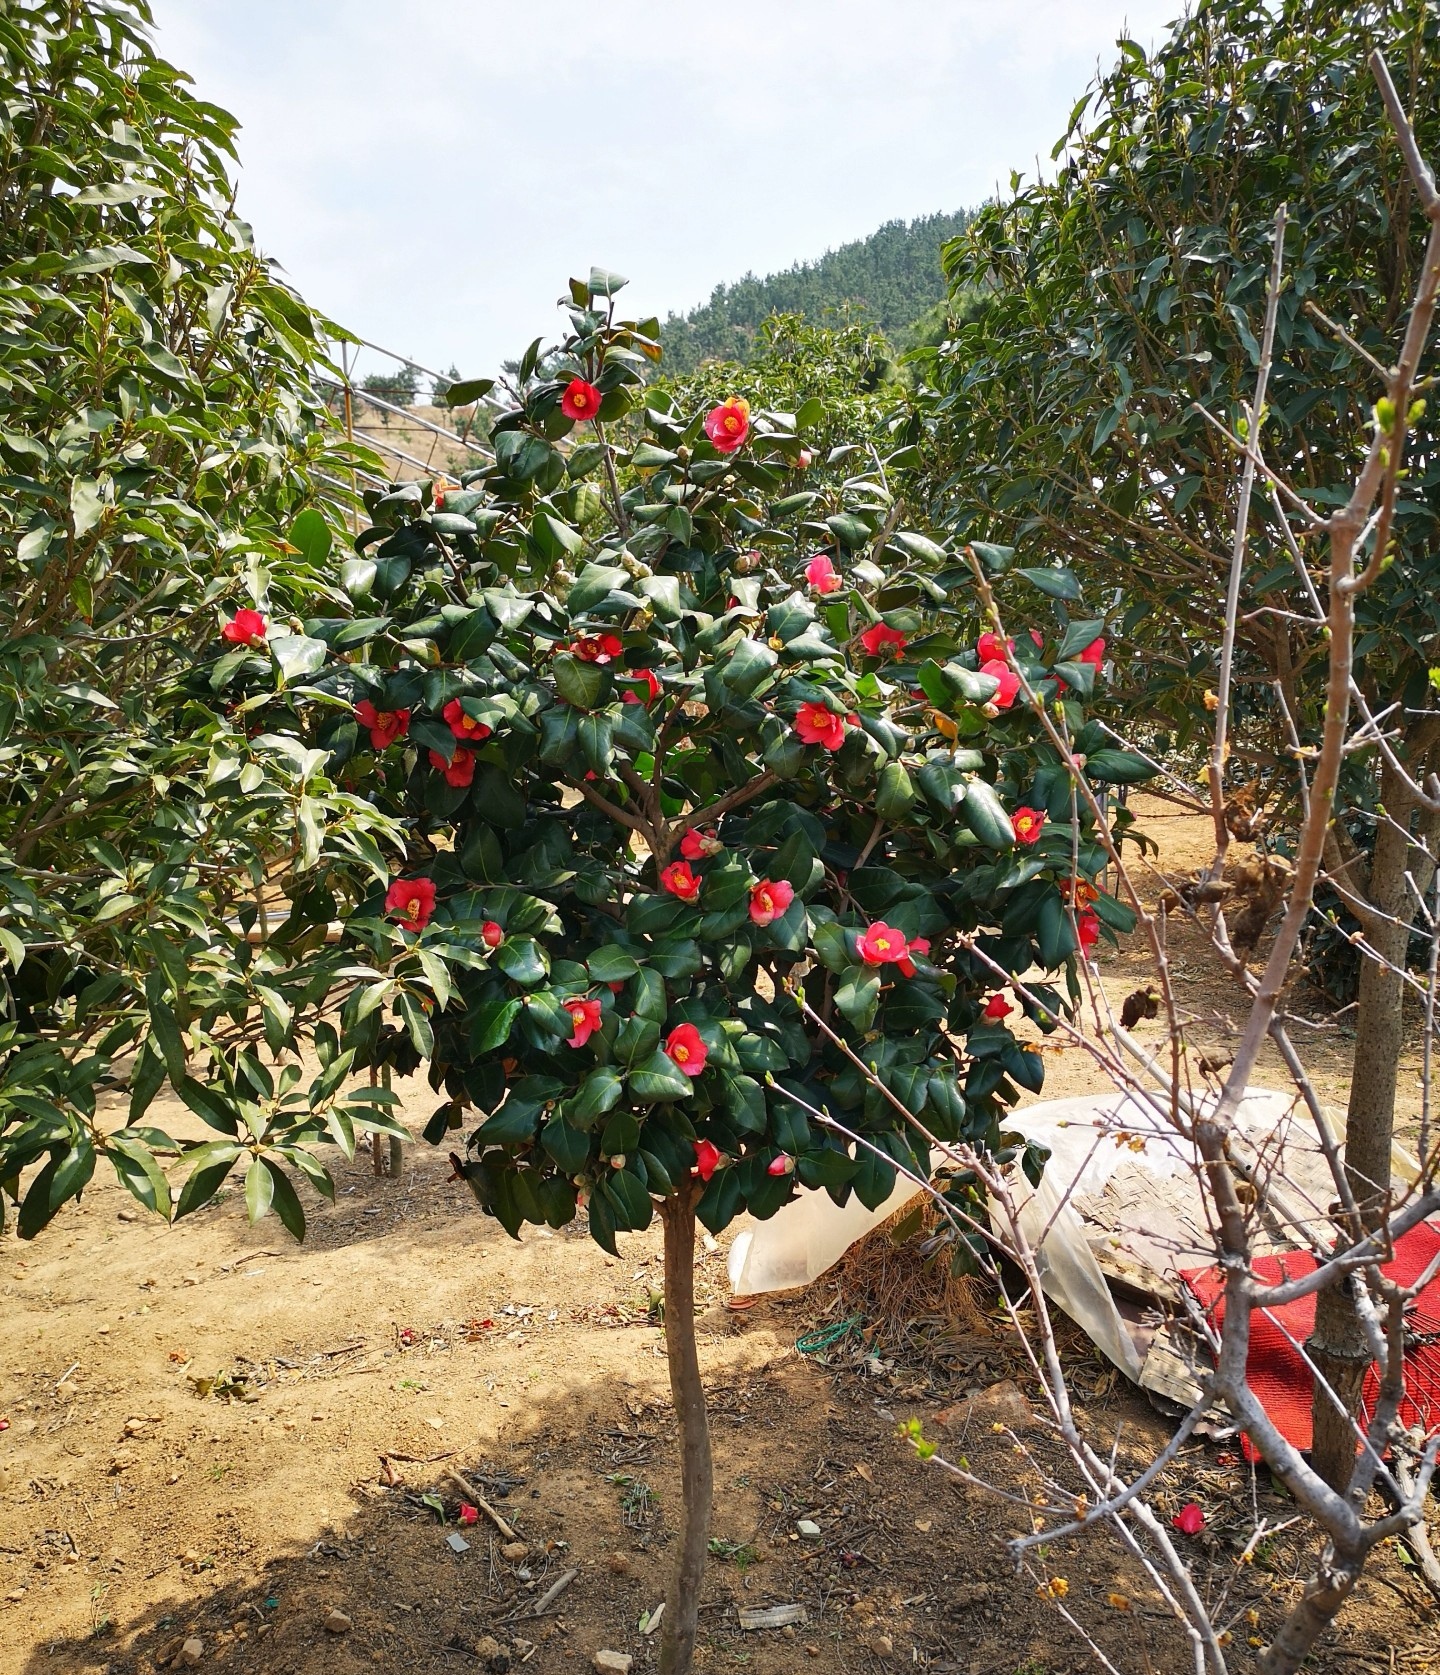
{"type": "Point", "coordinates": [1120, 1228]}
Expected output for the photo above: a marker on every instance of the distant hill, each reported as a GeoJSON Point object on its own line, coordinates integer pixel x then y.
{"type": "Point", "coordinates": [893, 278]}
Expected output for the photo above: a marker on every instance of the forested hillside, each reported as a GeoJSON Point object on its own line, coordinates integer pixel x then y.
{"type": "Point", "coordinates": [893, 277]}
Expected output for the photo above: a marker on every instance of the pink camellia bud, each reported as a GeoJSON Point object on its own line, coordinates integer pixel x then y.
{"type": "Point", "coordinates": [782, 1165]}
{"type": "Point", "coordinates": [1190, 1519]}
{"type": "Point", "coordinates": [804, 460]}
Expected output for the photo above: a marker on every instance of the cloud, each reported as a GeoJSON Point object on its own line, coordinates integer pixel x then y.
{"type": "Point", "coordinates": [431, 171]}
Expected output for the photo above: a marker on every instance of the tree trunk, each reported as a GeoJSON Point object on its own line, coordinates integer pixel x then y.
{"type": "Point", "coordinates": [1316, 1609]}
{"type": "Point", "coordinates": [385, 1159]}
{"type": "Point", "coordinates": [1337, 1344]}
{"type": "Point", "coordinates": [682, 1597]}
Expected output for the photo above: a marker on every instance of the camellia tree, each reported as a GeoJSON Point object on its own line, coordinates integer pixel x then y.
{"type": "Point", "coordinates": [1093, 403]}
{"type": "Point", "coordinates": [164, 449]}
{"type": "Point", "coordinates": [724, 831]}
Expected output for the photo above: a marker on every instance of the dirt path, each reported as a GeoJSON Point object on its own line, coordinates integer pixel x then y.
{"type": "Point", "coordinates": [141, 1506]}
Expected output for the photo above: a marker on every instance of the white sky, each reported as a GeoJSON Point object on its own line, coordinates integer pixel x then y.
{"type": "Point", "coordinates": [430, 172]}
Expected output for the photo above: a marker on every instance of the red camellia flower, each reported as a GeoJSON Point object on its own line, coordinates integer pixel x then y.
{"type": "Point", "coordinates": [585, 1015]}
{"type": "Point", "coordinates": [464, 726]}
{"type": "Point", "coordinates": [818, 724]}
{"type": "Point", "coordinates": [385, 725]}
{"type": "Point", "coordinates": [1085, 892]}
{"type": "Point", "coordinates": [997, 1007]}
{"type": "Point", "coordinates": [491, 934]}
{"type": "Point", "coordinates": [920, 945]}
{"type": "Point", "coordinates": [459, 770]}
{"type": "Point", "coordinates": [990, 648]}
{"type": "Point", "coordinates": [1028, 824]}
{"type": "Point", "coordinates": [652, 687]}
{"type": "Point", "coordinates": [696, 845]}
{"type": "Point", "coordinates": [245, 628]}
{"type": "Point", "coordinates": [687, 1049]}
{"type": "Point", "coordinates": [580, 401]}
{"type": "Point", "coordinates": [878, 637]}
{"type": "Point", "coordinates": [882, 944]}
{"type": "Point", "coordinates": [1008, 679]}
{"type": "Point", "coordinates": [769, 899]}
{"type": "Point", "coordinates": [1190, 1519]}
{"type": "Point", "coordinates": [413, 899]}
{"type": "Point", "coordinates": [784, 1164]}
{"type": "Point", "coordinates": [1088, 927]}
{"type": "Point", "coordinates": [680, 881]}
{"type": "Point", "coordinates": [597, 648]}
{"type": "Point", "coordinates": [728, 425]}
{"type": "Point", "coordinates": [1094, 653]}
{"type": "Point", "coordinates": [468, 1514]}
{"type": "Point", "coordinates": [707, 1158]}
{"type": "Point", "coordinates": [822, 575]}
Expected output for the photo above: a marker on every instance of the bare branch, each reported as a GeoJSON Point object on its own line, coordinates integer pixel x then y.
{"type": "Point", "coordinates": [1220, 742]}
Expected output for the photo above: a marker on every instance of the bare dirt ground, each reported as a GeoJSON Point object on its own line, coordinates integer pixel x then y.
{"type": "Point", "coordinates": [218, 1436]}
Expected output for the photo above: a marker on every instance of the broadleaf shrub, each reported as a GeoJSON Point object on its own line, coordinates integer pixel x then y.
{"type": "Point", "coordinates": [682, 735]}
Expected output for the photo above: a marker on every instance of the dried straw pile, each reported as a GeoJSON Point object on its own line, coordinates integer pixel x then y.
{"type": "Point", "coordinates": [915, 1310]}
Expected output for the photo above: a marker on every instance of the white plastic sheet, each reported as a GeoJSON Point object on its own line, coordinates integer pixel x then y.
{"type": "Point", "coordinates": [1096, 1141]}
{"type": "Point", "coordinates": [799, 1242]}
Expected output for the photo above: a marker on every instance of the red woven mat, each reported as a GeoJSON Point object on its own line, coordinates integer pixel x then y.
{"type": "Point", "coordinates": [1277, 1373]}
